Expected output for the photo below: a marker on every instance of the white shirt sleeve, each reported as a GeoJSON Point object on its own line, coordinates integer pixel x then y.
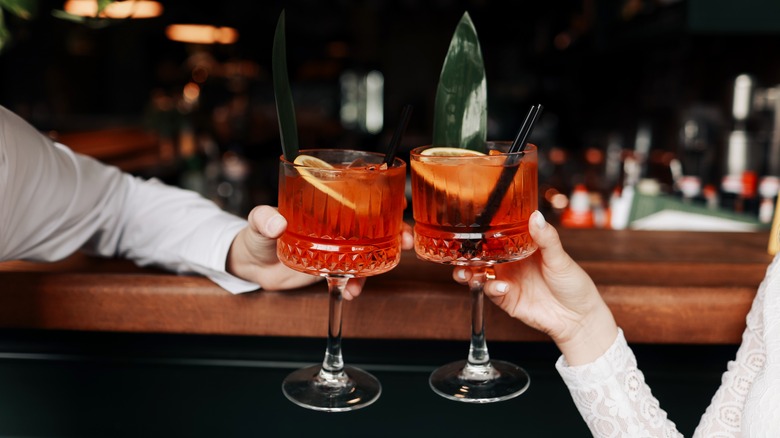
{"type": "Point", "coordinates": [54, 202]}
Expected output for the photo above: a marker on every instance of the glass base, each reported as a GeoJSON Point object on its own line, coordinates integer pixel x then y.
{"type": "Point", "coordinates": [496, 381]}
{"type": "Point", "coordinates": [321, 391]}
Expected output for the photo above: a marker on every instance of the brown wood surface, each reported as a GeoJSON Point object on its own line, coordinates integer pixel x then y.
{"type": "Point", "coordinates": [132, 149]}
{"type": "Point", "coordinates": [664, 287]}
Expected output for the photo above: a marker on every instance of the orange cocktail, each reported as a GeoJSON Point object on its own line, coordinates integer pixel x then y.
{"type": "Point", "coordinates": [458, 219]}
{"type": "Point", "coordinates": [342, 220]}
{"type": "Point", "coordinates": [344, 211]}
{"type": "Point", "coordinates": [472, 209]}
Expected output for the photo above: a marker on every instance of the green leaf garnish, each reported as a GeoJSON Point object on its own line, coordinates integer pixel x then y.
{"type": "Point", "coordinates": [460, 112]}
{"type": "Point", "coordinates": [24, 9]}
{"type": "Point", "coordinates": [285, 109]}
{"type": "Point", "coordinates": [102, 5]}
{"type": "Point", "coordinates": [91, 22]}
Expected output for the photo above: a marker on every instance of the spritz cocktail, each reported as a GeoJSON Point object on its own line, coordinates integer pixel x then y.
{"type": "Point", "coordinates": [472, 209]}
{"type": "Point", "coordinates": [344, 212]}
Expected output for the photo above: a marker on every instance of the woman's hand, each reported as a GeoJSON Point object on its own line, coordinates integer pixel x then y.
{"type": "Point", "coordinates": [550, 292]}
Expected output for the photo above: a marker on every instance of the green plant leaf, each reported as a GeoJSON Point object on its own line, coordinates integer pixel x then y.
{"type": "Point", "coordinates": [25, 9]}
{"type": "Point", "coordinates": [460, 111]}
{"type": "Point", "coordinates": [92, 22]}
{"type": "Point", "coordinates": [285, 108]}
{"type": "Point", "coordinates": [102, 5]}
{"type": "Point", "coordinates": [4, 34]}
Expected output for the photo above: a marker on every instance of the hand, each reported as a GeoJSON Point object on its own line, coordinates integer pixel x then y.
{"type": "Point", "coordinates": [550, 292]}
{"type": "Point", "coordinates": [252, 254]}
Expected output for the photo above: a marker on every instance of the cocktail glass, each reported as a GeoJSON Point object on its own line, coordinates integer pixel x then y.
{"type": "Point", "coordinates": [458, 222]}
{"type": "Point", "coordinates": [344, 211]}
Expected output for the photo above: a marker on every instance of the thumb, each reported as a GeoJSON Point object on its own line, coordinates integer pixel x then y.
{"type": "Point", "coordinates": [265, 226]}
{"type": "Point", "coordinates": [267, 222]}
{"type": "Point", "coordinates": [549, 242]}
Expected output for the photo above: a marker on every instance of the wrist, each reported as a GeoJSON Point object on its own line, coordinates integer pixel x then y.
{"type": "Point", "coordinates": [593, 336]}
{"type": "Point", "coordinates": [235, 263]}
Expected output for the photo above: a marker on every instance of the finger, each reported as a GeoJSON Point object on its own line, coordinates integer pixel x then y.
{"type": "Point", "coordinates": [502, 294]}
{"type": "Point", "coordinates": [267, 221]}
{"type": "Point", "coordinates": [548, 240]}
{"type": "Point", "coordinates": [354, 288]}
{"type": "Point", "coordinates": [496, 288]}
{"type": "Point", "coordinates": [461, 274]}
{"type": "Point", "coordinates": [407, 236]}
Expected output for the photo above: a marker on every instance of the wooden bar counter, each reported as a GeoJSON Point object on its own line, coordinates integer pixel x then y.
{"type": "Point", "coordinates": [664, 287]}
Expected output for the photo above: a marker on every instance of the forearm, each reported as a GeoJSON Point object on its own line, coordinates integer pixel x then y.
{"type": "Point", "coordinates": [589, 337]}
{"type": "Point", "coordinates": [178, 230]}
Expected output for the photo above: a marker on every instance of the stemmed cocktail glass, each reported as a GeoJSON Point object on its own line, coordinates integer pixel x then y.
{"type": "Point", "coordinates": [344, 210]}
{"type": "Point", "coordinates": [462, 219]}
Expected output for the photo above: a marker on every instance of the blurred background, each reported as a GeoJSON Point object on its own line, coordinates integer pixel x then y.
{"type": "Point", "coordinates": [669, 97]}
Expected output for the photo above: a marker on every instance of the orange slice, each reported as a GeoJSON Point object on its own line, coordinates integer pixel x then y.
{"type": "Point", "coordinates": [445, 151]}
{"type": "Point", "coordinates": [316, 163]}
{"type": "Point", "coordinates": [426, 173]}
{"type": "Point", "coordinates": [310, 161]}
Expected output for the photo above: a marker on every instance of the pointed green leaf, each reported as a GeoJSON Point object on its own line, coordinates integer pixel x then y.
{"type": "Point", "coordinates": [25, 9]}
{"type": "Point", "coordinates": [285, 109]}
{"type": "Point", "coordinates": [460, 112]}
{"type": "Point", "coordinates": [91, 22]}
{"type": "Point", "coordinates": [4, 34]}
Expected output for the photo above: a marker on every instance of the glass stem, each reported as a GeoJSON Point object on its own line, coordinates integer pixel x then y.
{"type": "Point", "coordinates": [333, 364]}
{"type": "Point", "coordinates": [478, 351]}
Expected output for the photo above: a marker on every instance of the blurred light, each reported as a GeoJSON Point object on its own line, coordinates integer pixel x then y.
{"type": "Point", "coordinates": [201, 34]}
{"type": "Point", "coordinates": [559, 201]}
{"type": "Point", "coordinates": [594, 156]}
{"type": "Point", "coordinates": [200, 74]}
{"type": "Point", "coordinates": [557, 156]}
{"type": "Point", "coordinates": [191, 92]}
{"type": "Point", "coordinates": [375, 83]}
{"type": "Point", "coordinates": [362, 101]}
{"type": "Point", "coordinates": [225, 189]}
{"type": "Point", "coordinates": [116, 9]}
{"type": "Point", "coordinates": [350, 99]}
{"type": "Point", "coordinates": [743, 91]}
{"type": "Point", "coordinates": [562, 41]}
{"type": "Point", "coordinates": [550, 193]}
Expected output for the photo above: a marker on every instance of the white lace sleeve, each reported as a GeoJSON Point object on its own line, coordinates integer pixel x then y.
{"type": "Point", "coordinates": [612, 396]}
{"type": "Point", "coordinates": [614, 400]}
{"type": "Point", "coordinates": [724, 416]}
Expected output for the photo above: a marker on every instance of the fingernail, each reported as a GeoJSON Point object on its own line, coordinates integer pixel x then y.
{"type": "Point", "coordinates": [276, 224]}
{"type": "Point", "coordinates": [538, 219]}
{"type": "Point", "coordinates": [346, 295]}
{"type": "Point", "coordinates": [501, 287]}
{"type": "Point", "coordinates": [461, 273]}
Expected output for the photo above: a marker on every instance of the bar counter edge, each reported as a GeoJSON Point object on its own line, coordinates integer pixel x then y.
{"type": "Point", "coordinates": [664, 287]}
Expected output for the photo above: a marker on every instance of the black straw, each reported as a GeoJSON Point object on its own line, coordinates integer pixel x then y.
{"type": "Point", "coordinates": [521, 140]}
{"type": "Point", "coordinates": [508, 172]}
{"type": "Point", "coordinates": [392, 148]}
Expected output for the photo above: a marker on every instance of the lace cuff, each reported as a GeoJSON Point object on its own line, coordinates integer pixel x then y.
{"type": "Point", "coordinates": [612, 397]}
{"type": "Point", "coordinates": [617, 356]}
